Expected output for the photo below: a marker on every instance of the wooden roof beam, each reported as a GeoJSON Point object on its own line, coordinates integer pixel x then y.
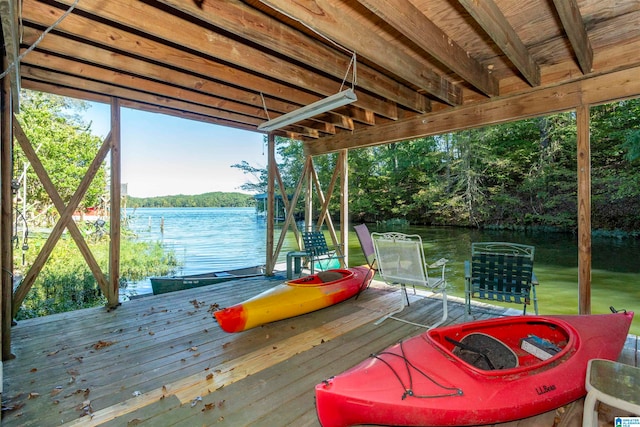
{"type": "Point", "coordinates": [239, 18]}
{"type": "Point", "coordinates": [61, 90]}
{"type": "Point", "coordinates": [104, 35]}
{"type": "Point", "coordinates": [408, 20]}
{"type": "Point", "coordinates": [495, 24]}
{"type": "Point", "coordinates": [126, 88]}
{"type": "Point", "coordinates": [577, 33]}
{"type": "Point", "coordinates": [343, 26]}
{"type": "Point", "coordinates": [536, 102]}
{"type": "Point", "coordinates": [207, 42]}
{"type": "Point", "coordinates": [201, 91]}
{"type": "Point", "coordinates": [142, 96]}
{"type": "Point", "coordinates": [338, 120]}
{"type": "Point", "coordinates": [45, 61]}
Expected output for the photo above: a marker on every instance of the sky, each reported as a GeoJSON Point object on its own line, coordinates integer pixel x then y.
{"type": "Point", "coordinates": [163, 155]}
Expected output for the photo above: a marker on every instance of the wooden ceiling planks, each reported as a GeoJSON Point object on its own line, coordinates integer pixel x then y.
{"type": "Point", "coordinates": [239, 63]}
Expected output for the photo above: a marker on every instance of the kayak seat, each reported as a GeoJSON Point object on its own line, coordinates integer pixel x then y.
{"type": "Point", "coordinates": [329, 276]}
{"type": "Point", "coordinates": [485, 352]}
{"type": "Point", "coordinates": [400, 261]}
{"type": "Point", "coordinates": [501, 271]}
{"type": "Point", "coordinates": [320, 255]}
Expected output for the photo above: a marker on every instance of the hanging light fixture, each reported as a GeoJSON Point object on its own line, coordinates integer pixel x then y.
{"type": "Point", "coordinates": [322, 106]}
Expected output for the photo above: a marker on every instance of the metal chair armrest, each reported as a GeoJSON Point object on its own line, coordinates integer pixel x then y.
{"type": "Point", "coordinates": [439, 263]}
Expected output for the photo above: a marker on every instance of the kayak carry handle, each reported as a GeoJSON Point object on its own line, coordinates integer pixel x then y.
{"type": "Point", "coordinates": [613, 310]}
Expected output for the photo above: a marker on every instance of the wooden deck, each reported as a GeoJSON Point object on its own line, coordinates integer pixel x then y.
{"type": "Point", "coordinates": [163, 361]}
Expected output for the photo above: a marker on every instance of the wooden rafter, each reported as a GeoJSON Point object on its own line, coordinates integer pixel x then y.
{"type": "Point", "coordinates": [234, 61]}
{"type": "Point", "coordinates": [494, 23]}
{"type": "Point", "coordinates": [341, 26]}
{"type": "Point", "coordinates": [577, 33]}
{"type": "Point", "coordinates": [226, 97]}
{"type": "Point", "coordinates": [224, 48]}
{"type": "Point", "coordinates": [408, 20]}
{"type": "Point", "coordinates": [257, 27]}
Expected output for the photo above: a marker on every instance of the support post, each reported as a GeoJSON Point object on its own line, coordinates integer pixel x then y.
{"type": "Point", "coordinates": [344, 204]}
{"type": "Point", "coordinates": [6, 226]}
{"type": "Point", "coordinates": [114, 212]}
{"type": "Point", "coordinates": [271, 177]}
{"type": "Point", "coordinates": [584, 210]}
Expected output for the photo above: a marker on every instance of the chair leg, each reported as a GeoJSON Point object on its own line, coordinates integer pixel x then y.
{"type": "Point", "coordinates": [467, 300]}
{"type": "Point", "coordinates": [445, 310]}
{"type": "Point", "coordinates": [445, 314]}
{"type": "Point", "coordinates": [394, 312]}
{"type": "Point", "coordinates": [590, 413]}
{"type": "Point", "coordinates": [535, 300]}
{"type": "Point", "coordinates": [406, 295]}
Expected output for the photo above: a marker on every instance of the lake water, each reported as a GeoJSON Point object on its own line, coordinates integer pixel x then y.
{"type": "Point", "coordinates": [204, 239]}
{"type": "Point", "coordinates": [211, 239]}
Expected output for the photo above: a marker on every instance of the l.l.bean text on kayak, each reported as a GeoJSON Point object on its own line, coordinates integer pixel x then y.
{"type": "Point", "coordinates": [545, 389]}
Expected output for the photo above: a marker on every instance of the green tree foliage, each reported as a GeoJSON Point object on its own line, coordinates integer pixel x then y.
{"type": "Point", "coordinates": [514, 175]}
{"type": "Point", "coordinates": [206, 200]}
{"type": "Point", "coordinates": [65, 147]}
{"type": "Point", "coordinates": [66, 283]}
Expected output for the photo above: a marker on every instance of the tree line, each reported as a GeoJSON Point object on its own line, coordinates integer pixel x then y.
{"type": "Point", "coordinates": [213, 199]}
{"type": "Point", "coordinates": [516, 175]}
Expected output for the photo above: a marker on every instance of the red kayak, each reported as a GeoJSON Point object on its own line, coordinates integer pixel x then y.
{"type": "Point", "coordinates": [482, 372]}
{"type": "Point", "coordinates": [294, 298]}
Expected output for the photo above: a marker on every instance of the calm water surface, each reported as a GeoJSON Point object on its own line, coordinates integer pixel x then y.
{"type": "Point", "coordinates": [211, 239]}
{"type": "Point", "coordinates": [204, 239]}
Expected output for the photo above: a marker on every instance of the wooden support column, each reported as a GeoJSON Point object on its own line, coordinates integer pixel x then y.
{"type": "Point", "coordinates": [114, 214]}
{"type": "Point", "coordinates": [271, 215]}
{"type": "Point", "coordinates": [344, 204]}
{"type": "Point", "coordinates": [6, 226]}
{"type": "Point", "coordinates": [584, 210]}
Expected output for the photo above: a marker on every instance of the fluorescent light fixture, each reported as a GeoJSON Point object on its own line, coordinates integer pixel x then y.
{"type": "Point", "coordinates": [322, 106]}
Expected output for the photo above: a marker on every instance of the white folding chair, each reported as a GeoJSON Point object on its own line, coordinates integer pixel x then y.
{"type": "Point", "coordinates": [612, 383]}
{"type": "Point", "coordinates": [400, 261]}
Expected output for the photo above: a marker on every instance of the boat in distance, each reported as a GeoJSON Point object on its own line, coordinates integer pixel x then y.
{"type": "Point", "coordinates": [294, 297]}
{"type": "Point", "coordinates": [164, 284]}
{"type": "Point", "coordinates": [475, 373]}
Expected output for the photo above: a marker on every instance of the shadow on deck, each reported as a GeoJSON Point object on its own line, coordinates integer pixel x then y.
{"type": "Point", "coordinates": [162, 360]}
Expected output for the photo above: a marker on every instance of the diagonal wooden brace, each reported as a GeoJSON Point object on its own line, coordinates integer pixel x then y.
{"type": "Point", "coordinates": [65, 220]}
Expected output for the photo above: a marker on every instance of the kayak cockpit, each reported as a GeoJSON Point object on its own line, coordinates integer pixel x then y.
{"type": "Point", "coordinates": [526, 344]}
{"type": "Point", "coordinates": [322, 278]}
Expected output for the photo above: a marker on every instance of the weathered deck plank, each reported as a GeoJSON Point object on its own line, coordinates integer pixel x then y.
{"type": "Point", "coordinates": [168, 349]}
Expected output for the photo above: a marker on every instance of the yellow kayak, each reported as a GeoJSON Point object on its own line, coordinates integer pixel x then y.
{"type": "Point", "coordinates": [295, 297]}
